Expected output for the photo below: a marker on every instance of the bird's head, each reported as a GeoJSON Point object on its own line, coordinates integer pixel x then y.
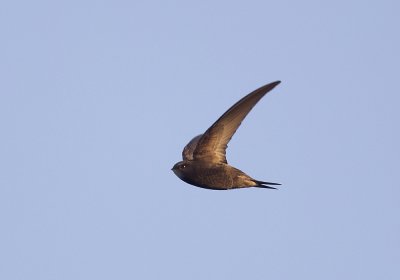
{"type": "Point", "coordinates": [180, 168]}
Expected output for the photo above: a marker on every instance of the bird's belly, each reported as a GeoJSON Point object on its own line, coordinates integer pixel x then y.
{"type": "Point", "coordinates": [214, 177]}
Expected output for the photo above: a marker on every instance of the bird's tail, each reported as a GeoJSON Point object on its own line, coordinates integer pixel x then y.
{"type": "Point", "coordinates": [265, 185]}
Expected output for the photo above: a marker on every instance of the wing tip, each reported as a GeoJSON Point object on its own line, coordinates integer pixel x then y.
{"type": "Point", "coordinates": [266, 88]}
{"type": "Point", "coordinates": [274, 84]}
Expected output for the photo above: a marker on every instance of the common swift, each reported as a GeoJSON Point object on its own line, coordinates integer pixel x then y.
{"type": "Point", "coordinates": [204, 157]}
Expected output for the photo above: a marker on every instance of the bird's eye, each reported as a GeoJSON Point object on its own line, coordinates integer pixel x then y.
{"type": "Point", "coordinates": [183, 166]}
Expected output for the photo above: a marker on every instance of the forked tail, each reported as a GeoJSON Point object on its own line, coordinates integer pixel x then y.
{"type": "Point", "coordinates": [265, 185]}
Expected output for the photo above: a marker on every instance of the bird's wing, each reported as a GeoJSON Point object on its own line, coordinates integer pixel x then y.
{"type": "Point", "coordinates": [187, 153]}
{"type": "Point", "coordinates": [211, 146]}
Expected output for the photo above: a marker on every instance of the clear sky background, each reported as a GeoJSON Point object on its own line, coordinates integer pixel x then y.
{"type": "Point", "coordinates": [98, 99]}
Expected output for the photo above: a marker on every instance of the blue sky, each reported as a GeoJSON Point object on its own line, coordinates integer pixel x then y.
{"type": "Point", "coordinates": [98, 99]}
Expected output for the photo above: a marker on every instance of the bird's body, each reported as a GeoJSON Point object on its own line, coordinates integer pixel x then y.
{"type": "Point", "coordinates": [216, 176]}
{"type": "Point", "coordinates": [204, 163]}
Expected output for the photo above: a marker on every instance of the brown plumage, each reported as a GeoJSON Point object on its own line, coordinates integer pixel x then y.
{"type": "Point", "coordinates": [204, 157]}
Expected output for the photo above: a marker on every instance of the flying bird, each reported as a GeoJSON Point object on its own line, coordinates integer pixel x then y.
{"type": "Point", "coordinates": [204, 161]}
